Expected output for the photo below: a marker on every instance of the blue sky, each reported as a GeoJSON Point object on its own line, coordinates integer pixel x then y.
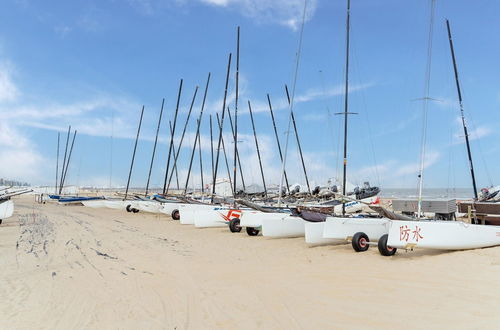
{"type": "Point", "coordinates": [93, 64]}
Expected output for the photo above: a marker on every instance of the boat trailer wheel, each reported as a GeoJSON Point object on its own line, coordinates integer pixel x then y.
{"type": "Point", "coordinates": [360, 242]}
{"type": "Point", "coordinates": [251, 231]}
{"type": "Point", "coordinates": [234, 225]}
{"type": "Point", "coordinates": [176, 215]}
{"type": "Point", "coordinates": [0, 221]}
{"type": "Point", "coordinates": [135, 210]}
{"type": "Point", "coordinates": [383, 248]}
{"type": "Point", "coordinates": [129, 208]}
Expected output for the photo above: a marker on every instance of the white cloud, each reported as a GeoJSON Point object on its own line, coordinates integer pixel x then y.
{"type": "Point", "coordinates": [8, 90]}
{"type": "Point", "coordinates": [284, 12]}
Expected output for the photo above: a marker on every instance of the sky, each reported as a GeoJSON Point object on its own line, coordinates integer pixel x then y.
{"type": "Point", "coordinates": [94, 64]}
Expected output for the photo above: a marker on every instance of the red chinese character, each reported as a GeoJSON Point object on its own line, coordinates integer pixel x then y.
{"type": "Point", "coordinates": [404, 233]}
{"type": "Point", "coordinates": [416, 233]}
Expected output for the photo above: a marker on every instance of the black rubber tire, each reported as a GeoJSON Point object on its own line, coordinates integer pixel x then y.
{"type": "Point", "coordinates": [251, 231]}
{"type": "Point", "coordinates": [176, 215]}
{"type": "Point", "coordinates": [129, 208]}
{"type": "Point", "coordinates": [383, 248]}
{"type": "Point", "coordinates": [135, 210]}
{"type": "Point", "coordinates": [234, 225]}
{"type": "Point", "coordinates": [1, 221]}
{"type": "Point", "coordinates": [360, 242]}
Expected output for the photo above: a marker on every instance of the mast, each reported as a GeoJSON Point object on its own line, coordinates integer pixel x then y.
{"type": "Point", "coordinates": [298, 143]}
{"type": "Point", "coordinates": [346, 103]}
{"type": "Point", "coordinates": [67, 163]}
{"type": "Point", "coordinates": [133, 154]}
{"type": "Point", "coordinates": [197, 132]}
{"type": "Point", "coordinates": [64, 159]}
{"type": "Point", "coordinates": [212, 145]}
{"type": "Point", "coordinates": [175, 165]}
{"type": "Point", "coordinates": [221, 126]}
{"type": "Point", "coordinates": [236, 111]}
{"type": "Point", "coordinates": [57, 161]}
{"type": "Point", "coordinates": [182, 136]}
{"type": "Point", "coordinates": [297, 62]}
{"type": "Point", "coordinates": [425, 110]}
{"type": "Point", "coordinates": [201, 163]}
{"type": "Point", "coordinates": [172, 136]}
{"type": "Point", "coordinates": [237, 151]}
{"type": "Point", "coordinates": [154, 147]}
{"type": "Point", "coordinates": [257, 147]}
{"type": "Point", "coordinates": [277, 139]}
{"type": "Point", "coordinates": [459, 92]}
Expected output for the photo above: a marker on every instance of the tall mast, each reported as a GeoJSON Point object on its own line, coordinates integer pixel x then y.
{"type": "Point", "coordinates": [425, 110]}
{"type": "Point", "coordinates": [298, 143]}
{"type": "Point", "coordinates": [154, 147]}
{"type": "Point", "coordinates": [64, 159]}
{"type": "Point", "coordinates": [221, 126]}
{"type": "Point", "coordinates": [57, 160]}
{"type": "Point", "coordinates": [133, 154]}
{"type": "Point", "coordinates": [346, 102]}
{"type": "Point", "coordinates": [212, 145]}
{"type": "Point", "coordinates": [201, 164]}
{"type": "Point", "coordinates": [469, 154]}
{"type": "Point", "coordinates": [172, 136]}
{"type": "Point", "coordinates": [63, 179]}
{"type": "Point", "coordinates": [237, 151]}
{"type": "Point", "coordinates": [236, 110]}
{"type": "Point", "coordinates": [257, 147]}
{"type": "Point", "coordinates": [197, 132]}
{"type": "Point", "coordinates": [182, 136]}
{"type": "Point", "coordinates": [297, 62]}
{"type": "Point", "coordinates": [277, 140]}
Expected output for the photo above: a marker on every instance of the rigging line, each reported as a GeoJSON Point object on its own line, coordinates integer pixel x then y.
{"type": "Point", "coordinates": [478, 143]}
{"type": "Point", "coordinates": [64, 159]}
{"type": "Point", "coordinates": [175, 164]}
{"type": "Point", "coordinates": [237, 151]}
{"type": "Point", "coordinates": [225, 155]}
{"type": "Point", "coordinates": [176, 154]}
{"type": "Point", "coordinates": [297, 62]}
{"type": "Point", "coordinates": [133, 154]}
{"type": "Point", "coordinates": [425, 108]}
{"type": "Point", "coordinates": [57, 160]}
{"type": "Point", "coordinates": [154, 147]}
{"type": "Point", "coordinates": [111, 148]}
{"type": "Point", "coordinates": [366, 114]}
{"type": "Point", "coordinates": [201, 163]}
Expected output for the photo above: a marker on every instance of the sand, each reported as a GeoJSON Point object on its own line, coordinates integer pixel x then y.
{"type": "Point", "coordinates": [71, 267]}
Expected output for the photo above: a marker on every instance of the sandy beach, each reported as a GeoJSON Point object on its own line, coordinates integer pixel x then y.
{"type": "Point", "coordinates": [71, 267]}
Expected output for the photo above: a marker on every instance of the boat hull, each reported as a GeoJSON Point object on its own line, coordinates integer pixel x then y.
{"type": "Point", "coordinates": [217, 217]}
{"type": "Point", "coordinates": [188, 212]}
{"type": "Point", "coordinates": [345, 228]}
{"type": "Point", "coordinates": [442, 235]}
{"type": "Point", "coordinates": [116, 204]}
{"type": "Point", "coordinates": [95, 204]}
{"type": "Point", "coordinates": [6, 209]}
{"type": "Point", "coordinates": [282, 225]}
{"type": "Point", "coordinates": [314, 234]}
{"type": "Point", "coordinates": [148, 206]}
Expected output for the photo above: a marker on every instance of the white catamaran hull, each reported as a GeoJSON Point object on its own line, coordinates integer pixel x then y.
{"type": "Point", "coordinates": [116, 204]}
{"type": "Point", "coordinates": [314, 234]}
{"type": "Point", "coordinates": [355, 206]}
{"type": "Point", "coordinates": [148, 206]}
{"type": "Point", "coordinates": [168, 208]}
{"type": "Point", "coordinates": [95, 204]}
{"type": "Point", "coordinates": [345, 228]}
{"type": "Point", "coordinates": [6, 209]}
{"type": "Point", "coordinates": [283, 225]}
{"type": "Point", "coordinates": [188, 212]}
{"type": "Point", "coordinates": [217, 217]}
{"type": "Point", "coordinates": [252, 219]}
{"type": "Point", "coordinates": [442, 235]}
